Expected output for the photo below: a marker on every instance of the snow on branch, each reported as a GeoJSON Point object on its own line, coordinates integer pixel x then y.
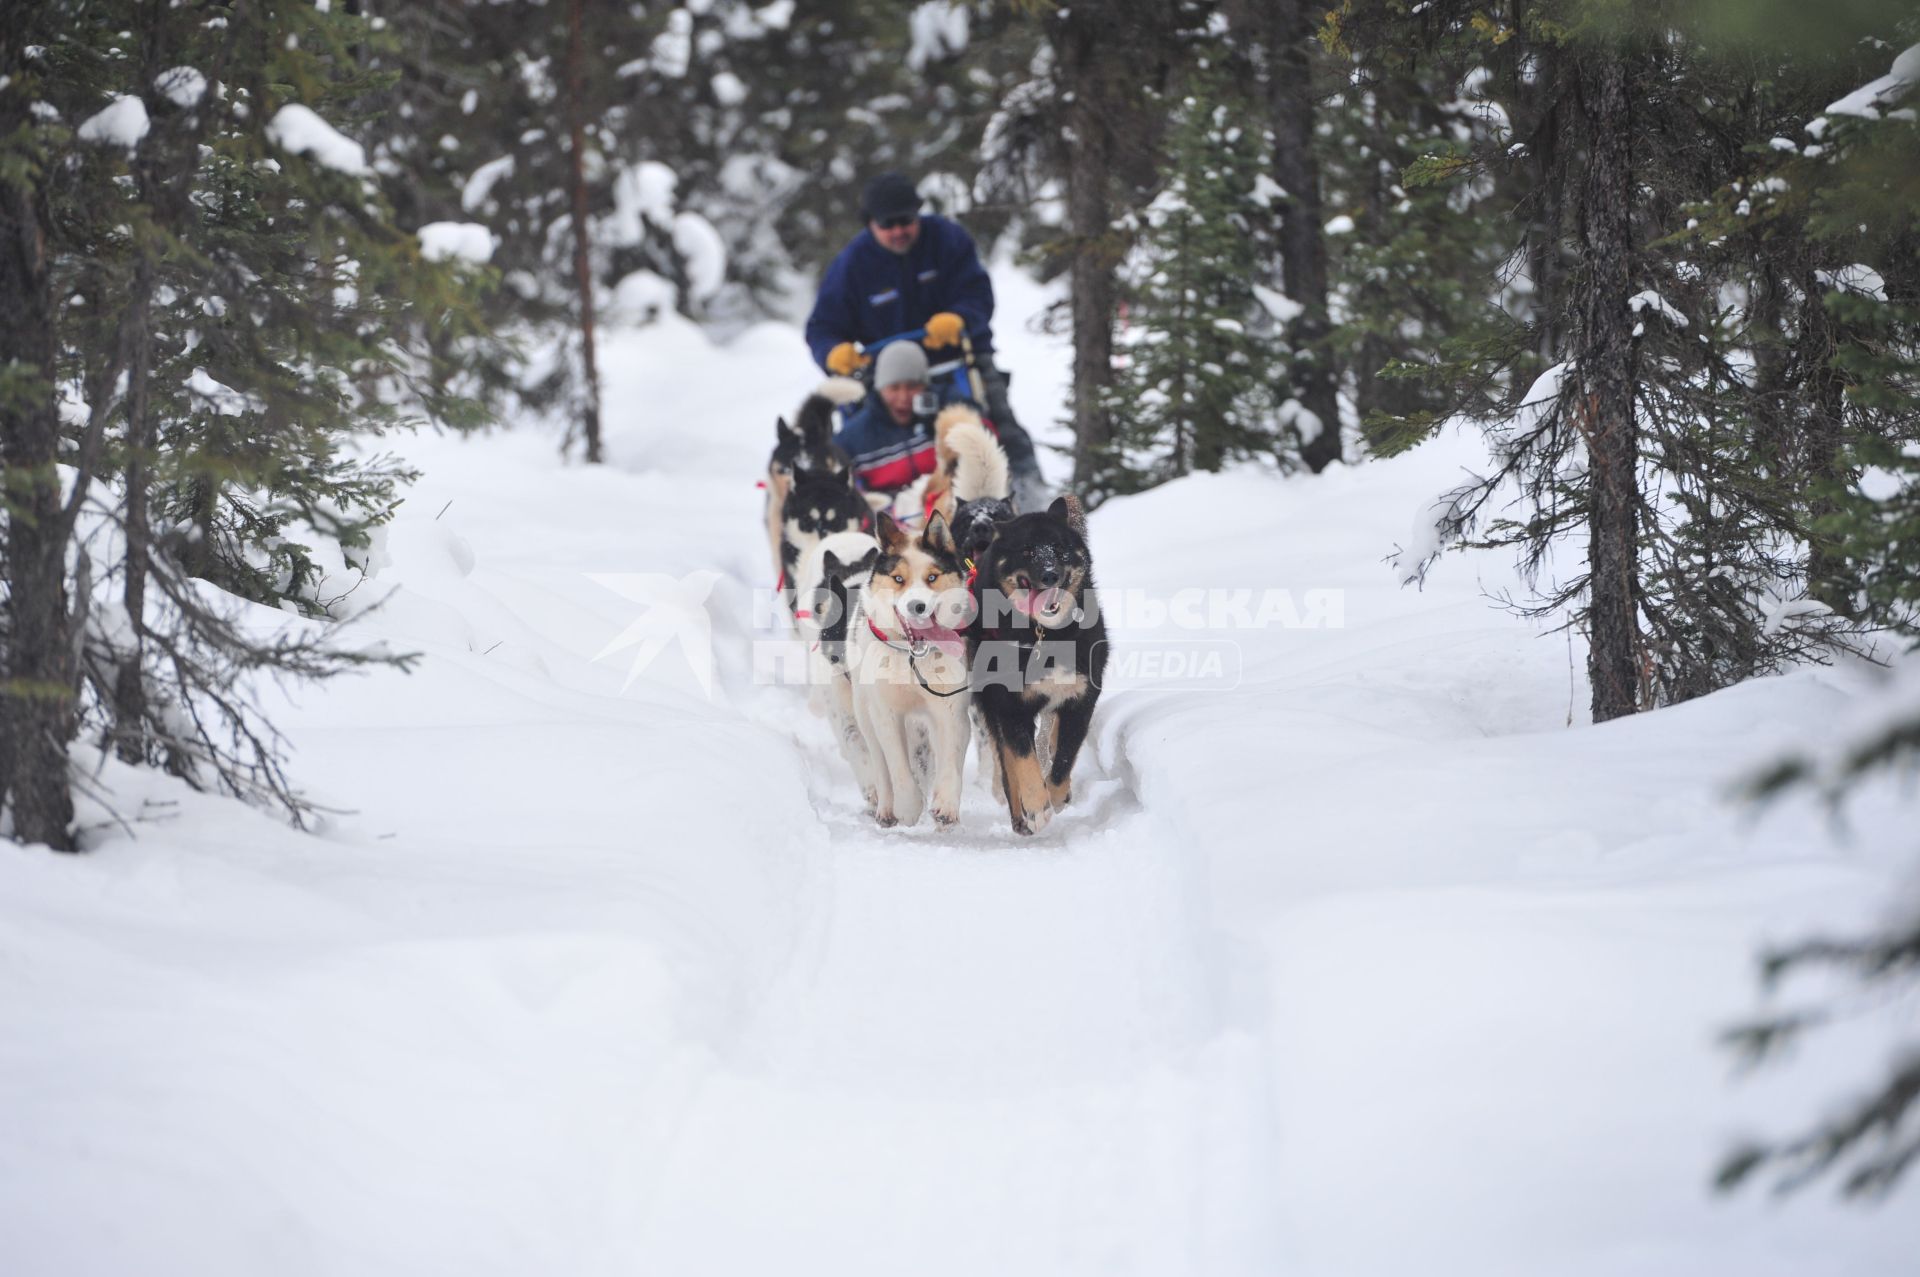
{"type": "Point", "coordinates": [939, 30]}
{"type": "Point", "coordinates": [123, 124]}
{"type": "Point", "coordinates": [1867, 101]}
{"type": "Point", "coordinates": [182, 86]}
{"type": "Point", "coordinates": [1651, 300]}
{"type": "Point", "coordinates": [300, 130]}
{"type": "Point", "coordinates": [456, 241]}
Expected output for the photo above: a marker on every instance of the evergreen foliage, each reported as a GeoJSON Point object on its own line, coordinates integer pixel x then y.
{"type": "Point", "coordinates": [1726, 476]}
{"type": "Point", "coordinates": [1665, 257]}
{"type": "Point", "coordinates": [1416, 168]}
{"type": "Point", "coordinates": [1837, 205]}
{"type": "Point", "coordinates": [1197, 385]}
{"type": "Point", "coordinates": [239, 320]}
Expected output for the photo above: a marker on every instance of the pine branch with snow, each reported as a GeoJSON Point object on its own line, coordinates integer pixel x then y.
{"type": "Point", "coordinates": [1197, 388]}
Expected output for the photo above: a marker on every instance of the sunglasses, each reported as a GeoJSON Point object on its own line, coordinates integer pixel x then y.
{"type": "Point", "coordinates": [897, 223]}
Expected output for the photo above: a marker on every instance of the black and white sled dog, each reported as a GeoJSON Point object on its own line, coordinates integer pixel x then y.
{"type": "Point", "coordinates": [973, 486]}
{"type": "Point", "coordinates": [820, 497]}
{"type": "Point", "coordinates": [1037, 651]}
{"type": "Point", "coordinates": [832, 575]}
{"type": "Point", "coordinates": [805, 453]}
{"type": "Point", "coordinates": [907, 660]}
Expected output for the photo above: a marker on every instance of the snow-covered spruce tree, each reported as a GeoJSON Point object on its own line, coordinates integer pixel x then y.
{"type": "Point", "coordinates": [1107, 71]}
{"type": "Point", "coordinates": [1849, 181]}
{"type": "Point", "coordinates": [36, 626]}
{"type": "Point", "coordinates": [1274, 48]}
{"type": "Point", "coordinates": [1418, 264]}
{"type": "Point", "coordinates": [1575, 458]}
{"type": "Point", "coordinates": [722, 163]}
{"type": "Point", "coordinates": [1196, 387]}
{"type": "Point", "coordinates": [1819, 235]}
{"type": "Point", "coordinates": [432, 126]}
{"type": "Point", "coordinates": [476, 129]}
{"type": "Point", "coordinates": [238, 316]}
{"type": "Point", "coordinates": [1757, 445]}
{"type": "Point", "coordinates": [293, 321]}
{"type": "Point", "coordinates": [748, 104]}
{"type": "Point", "coordinates": [513, 115]}
{"type": "Point", "coordinates": [1637, 439]}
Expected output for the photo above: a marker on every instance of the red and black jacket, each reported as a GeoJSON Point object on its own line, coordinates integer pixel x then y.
{"type": "Point", "coordinates": [887, 456]}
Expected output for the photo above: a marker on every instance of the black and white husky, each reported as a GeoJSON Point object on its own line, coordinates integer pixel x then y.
{"type": "Point", "coordinates": [975, 493]}
{"type": "Point", "coordinates": [821, 499]}
{"type": "Point", "coordinates": [803, 453]}
{"type": "Point", "coordinates": [980, 485]}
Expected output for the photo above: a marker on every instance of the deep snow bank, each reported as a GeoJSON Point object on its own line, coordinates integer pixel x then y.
{"type": "Point", "coordinates": [1353, 957]}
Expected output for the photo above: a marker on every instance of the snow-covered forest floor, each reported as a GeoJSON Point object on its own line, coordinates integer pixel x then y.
{"type": "Point", "coordinates": [1370, 963]}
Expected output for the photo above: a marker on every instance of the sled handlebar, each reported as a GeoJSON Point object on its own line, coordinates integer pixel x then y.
{"type": "Point", "coordinates": [962, 362]}
{"type": "Point", "coordinates": [869, 348]}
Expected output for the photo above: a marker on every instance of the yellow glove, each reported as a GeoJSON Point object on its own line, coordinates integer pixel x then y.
{"type": "Point", "coordinates": [845, 359]}
{"type": "Point", "coordinates": [944, 329]}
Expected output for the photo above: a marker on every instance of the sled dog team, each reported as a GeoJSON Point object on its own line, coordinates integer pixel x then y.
{"type": "Point", "coordinates": [982, 622]}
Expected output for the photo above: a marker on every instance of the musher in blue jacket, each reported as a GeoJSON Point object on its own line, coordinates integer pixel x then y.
{"type": "Point", "coordinates": [910, 270]}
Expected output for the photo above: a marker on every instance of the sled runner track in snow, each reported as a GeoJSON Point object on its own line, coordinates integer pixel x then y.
{"type": "Point", "coordinates": [1365, 965]}
{"type": "Point", "coordinates": [1042, 1033]}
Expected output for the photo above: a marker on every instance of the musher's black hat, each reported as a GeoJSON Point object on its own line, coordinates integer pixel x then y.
{"type": "Point", "coordinates": [889, 195]}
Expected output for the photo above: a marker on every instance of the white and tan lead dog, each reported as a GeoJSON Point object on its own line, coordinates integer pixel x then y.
{"type": "Point", "coordinates": [908, 663]}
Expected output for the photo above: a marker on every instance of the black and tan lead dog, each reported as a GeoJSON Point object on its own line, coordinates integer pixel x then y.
{"type": "Point", "coordinates": [1037, 651]}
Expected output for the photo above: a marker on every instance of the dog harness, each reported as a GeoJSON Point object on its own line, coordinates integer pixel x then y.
{"type": "Point", "coordinates": [915, 650]}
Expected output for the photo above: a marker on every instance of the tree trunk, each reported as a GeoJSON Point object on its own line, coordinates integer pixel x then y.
{"type": "Point", "coordinates": [1373, 351]}
{"type": "Point", "coordinates": [36, 698]}
{"type": "Point", "coordinates": [1078, 53]}
{"type": "Point", "coordinates": [1604, 406]}
{"type": "Point", "coordinates": [1285, 28]}
{"type": "Point", "coordinates": [129, 683]}
{"type": "Point", "coordinates": [1546, 177]}
{"type": "Point", "coordinates": [582, 265]}
{"type": "Point", "coordinates": [1821, 478]}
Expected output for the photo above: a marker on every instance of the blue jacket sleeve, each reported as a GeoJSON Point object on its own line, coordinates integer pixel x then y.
{"type": "Point", "coordinates": [832, 320]}
{"type": "Point", "coordinates": [849, 436]}
{"type": "Point", "coordinates": [866, 429]}
{"type": "Point", "coordinates": [969, 292]}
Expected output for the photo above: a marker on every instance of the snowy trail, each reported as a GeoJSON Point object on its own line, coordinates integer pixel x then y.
{"type": "Point", "coordinates": [1041, 1033]}
{"type": "Point", "coordinates": [1374, 964]}
{"type": "Point", "coordinates": [976, 1051]}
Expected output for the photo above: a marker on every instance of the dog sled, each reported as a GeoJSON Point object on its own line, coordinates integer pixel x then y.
{"type": "Point", "coordinates": [806, 461]}
{"type": "Point", "coordinates": [903, 603]}
{"type": "Point", "coordinates": [959, 375]}
{"type": "Point", "coordinates": [953, 379]}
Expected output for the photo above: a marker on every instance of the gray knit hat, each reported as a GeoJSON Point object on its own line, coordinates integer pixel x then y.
{"type": "Point", "coordinates": [900, 361]}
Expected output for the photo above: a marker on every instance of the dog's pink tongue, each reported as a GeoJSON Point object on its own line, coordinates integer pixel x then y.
{"type": "Point", "coordinates": [938, 636]}
{"type": "Point", "coordinates": [1036, 601]}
